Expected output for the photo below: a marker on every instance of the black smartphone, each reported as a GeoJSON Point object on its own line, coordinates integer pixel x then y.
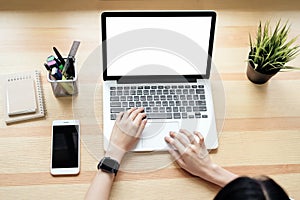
{"type": "Point", "coordinates": [65, 147]}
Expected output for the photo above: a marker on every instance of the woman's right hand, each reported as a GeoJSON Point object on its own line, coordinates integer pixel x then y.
{"type": "Point", "coordinates": [191, 155]}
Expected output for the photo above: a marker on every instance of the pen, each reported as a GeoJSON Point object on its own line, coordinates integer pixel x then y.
{"type": "Point", "coordinates": [59, 56]}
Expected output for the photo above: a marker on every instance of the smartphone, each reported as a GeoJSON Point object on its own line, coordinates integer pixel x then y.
{"type": "Point", "coordinates": [65, 147]}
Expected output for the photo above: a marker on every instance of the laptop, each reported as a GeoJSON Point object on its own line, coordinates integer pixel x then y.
{"type": "Point", "coordinates": [159, 60]}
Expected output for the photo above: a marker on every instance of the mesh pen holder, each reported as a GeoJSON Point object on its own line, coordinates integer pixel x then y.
{"type": "Point", "coordinates": [64, 88]}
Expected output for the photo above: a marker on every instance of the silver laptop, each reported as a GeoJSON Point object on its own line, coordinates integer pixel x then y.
{"type": "Point", "coordinates": [159, 60]}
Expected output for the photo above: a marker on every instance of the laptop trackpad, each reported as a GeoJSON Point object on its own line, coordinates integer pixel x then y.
{"type": "Point", "coordinates": [153, 135]}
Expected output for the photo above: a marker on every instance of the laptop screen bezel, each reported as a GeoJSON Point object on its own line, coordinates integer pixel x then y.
{"type": "Point", "coordinates": [156, 78]}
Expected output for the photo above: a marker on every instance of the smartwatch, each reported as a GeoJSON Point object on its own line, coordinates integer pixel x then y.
{"type": "Point", "coordinates": [109, 165]}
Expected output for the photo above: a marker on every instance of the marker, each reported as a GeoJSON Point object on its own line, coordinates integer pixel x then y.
{"type": "Point", "coordinates": [47, 67]}
{"type": "Point", "coordinates": [61, 59]}
{"type": "Point", "coordinates": [50, 58]}
{"type": "Point", "coordinates": [52, 64]}
{"type": "Point", "coordinates": [56, 73]}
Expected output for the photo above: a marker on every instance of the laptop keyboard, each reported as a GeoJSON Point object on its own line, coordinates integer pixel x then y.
{"type": "Point", "coordinates": [184, 101]}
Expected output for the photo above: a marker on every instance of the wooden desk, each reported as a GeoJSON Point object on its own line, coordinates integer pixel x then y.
{"type": "Point", "coordinates": [261, 133]}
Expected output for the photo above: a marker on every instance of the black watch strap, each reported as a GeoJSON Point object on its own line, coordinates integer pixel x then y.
{"type": "Point", "coordinates": [109, 165]}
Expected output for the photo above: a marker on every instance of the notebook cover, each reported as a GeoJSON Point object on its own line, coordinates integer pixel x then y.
{"type": "Point", "coordinates": [21, 98]}
{"type": "Point", "coordinates": [33, 86]}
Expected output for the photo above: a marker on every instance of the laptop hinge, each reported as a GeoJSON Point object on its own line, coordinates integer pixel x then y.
{"type": "Point", "coordinates": [156, 79]}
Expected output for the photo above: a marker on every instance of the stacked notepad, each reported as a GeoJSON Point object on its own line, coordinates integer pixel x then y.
{"type": "Point", "coordinates": [24, 97]}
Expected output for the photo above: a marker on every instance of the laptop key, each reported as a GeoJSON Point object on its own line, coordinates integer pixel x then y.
{"type": "Point", "coordinates": [148, 109]}
{"type": "Point", "coordinates": [116, 98]}
{"type": "Point", "coordinates": [168, 109]}
{"type": "Point", "coordinates": [204, 116]}
{"type": "Point", "coordinates": [177, 116]}
{"type": "Point", "coordinates": [116, 110]}
{"type": "Point", "coordinates": [171, 103]}
{"type": "Point", "coordinates": [132, 92]}
{"type": "Point", "coordinates": [126, 92]}
{"type": "Point", "coordinates": [129, 98]}
{"type": "Point", "coordinates": [123, 98]}
{"type": "Point", "coordinates": [159, 115]}
{"type": "Point", "coordinates": [184, 115]}
{"type": "Point", "coordinates": [139, 92]}
{"type": "Point", "coordinates": [198, 115]}
{"type": "Point", "coordinates": [119, 92]}
{"type": "Point", "coordinates": [115, 104]}
{"type": "Point", "coordinates": [152, 92]}
{"type": "Point", "coordinates": [113, 116]}
{"type": "Point", "coordinates": [199, 91]}
{"type": "Point", "coordinates": [165, 103]}
{"type": "Point", "coordinates": [143, 98]}
{"type": "Point", "coordinates": [197, 109]}
{"type": "Point", "coordinates": [155, 109]}
{"type": "Point", "coordinates": [162, 109]}
{"type": "Point", "coordinates": [191, 116]}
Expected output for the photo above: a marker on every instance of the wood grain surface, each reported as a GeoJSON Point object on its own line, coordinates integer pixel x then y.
{"type": "Point", "coordinates": [261, 130]}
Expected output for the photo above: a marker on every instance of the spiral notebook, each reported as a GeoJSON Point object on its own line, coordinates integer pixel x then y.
{"type": "Point", "coordinates": [24, 97]}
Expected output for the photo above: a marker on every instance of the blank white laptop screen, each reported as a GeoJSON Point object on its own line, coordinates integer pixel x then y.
{"type": "Point", "coordinates": [197, 29]}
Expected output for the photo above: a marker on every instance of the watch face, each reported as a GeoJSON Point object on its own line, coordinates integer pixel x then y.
{"type": "Point", "coordinates": [109, 165]}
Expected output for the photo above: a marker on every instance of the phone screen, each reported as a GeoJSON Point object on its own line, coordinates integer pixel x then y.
{"type": "Point", "coordinates": [65, 146]}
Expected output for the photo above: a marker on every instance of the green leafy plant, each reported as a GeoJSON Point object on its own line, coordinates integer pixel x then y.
{"type": "Point", "coordinates": [271, 50]}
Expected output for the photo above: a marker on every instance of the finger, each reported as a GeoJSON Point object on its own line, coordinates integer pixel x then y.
{"type": "Point", "coordinates": [140, 116]}
{"type": "Point", "coordinates": [188, 135]}
{"type": "Point", "coordinates": [175, 144]}
{"type": "Point", "coordinates": [176, 156]}
{"type": "Point", "coordinates": [135, 113]}
{"type": "Point", "coordinates": [120, 116]}
{"type": "Point", "coordinates": [201, 138]}
{"type": "Point", "coordinates": [180, 138]}
{"type": "Point", "coordinates": [128, 112]}
{"type": "Point", "coordinates": [141, 127]}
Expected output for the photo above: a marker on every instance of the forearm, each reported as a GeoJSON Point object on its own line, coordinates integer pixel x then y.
{"type": "Point", "coordinates": [101, 186]}
{"type": "Point", "coordinates": [102, 183]}
{"type": "Point", "coordinates": [219, 176]}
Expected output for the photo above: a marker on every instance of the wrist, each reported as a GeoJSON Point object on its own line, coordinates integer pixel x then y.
{"type": "Point", "coordinates": [115, 153]}
{"type": "Point", "coordinates": [220, 176]}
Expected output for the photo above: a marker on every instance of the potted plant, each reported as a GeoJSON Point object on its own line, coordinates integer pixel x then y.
{"type": "Point", "coordinates": [270, 52]}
